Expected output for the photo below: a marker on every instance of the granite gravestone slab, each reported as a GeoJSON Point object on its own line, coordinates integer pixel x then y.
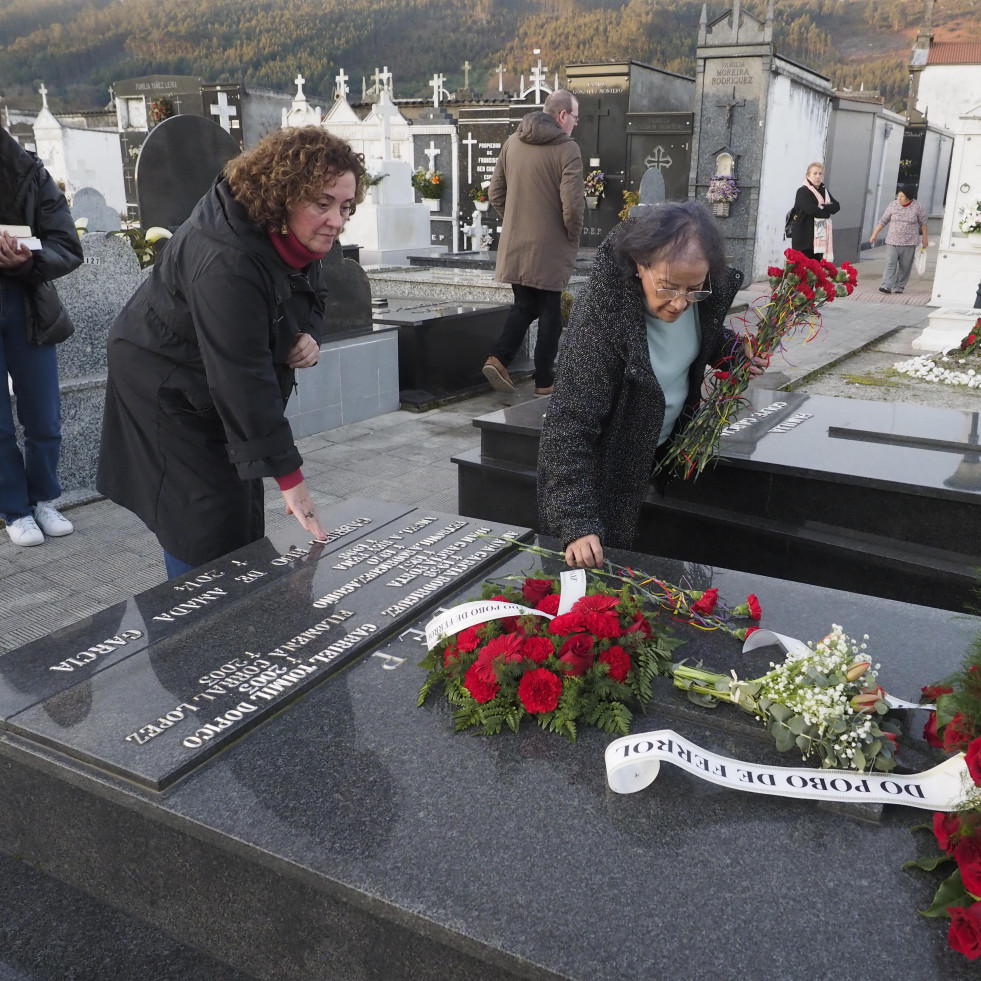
{"type": "Point", "coordinates": [88, 203]}
{"type": "Point", "coordinates": [153, 687]}
{"type": "Point", "coordinates": [178, 162]}
{"type": "Point", "coordinates": [346, 295]}
{"type": "Point", "coordinates": [278, 856]}
{"type": "Point", "coordinates": [875, 497]}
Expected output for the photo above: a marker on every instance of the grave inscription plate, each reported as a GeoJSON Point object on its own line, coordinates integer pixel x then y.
{"type": "Point", "coordinates": [153, 687]}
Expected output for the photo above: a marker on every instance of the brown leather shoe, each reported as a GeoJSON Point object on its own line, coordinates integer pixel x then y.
{"type": "Point", "coordinates": [498, 376]}
{"type": "Point", "coordinates": [542, 392]}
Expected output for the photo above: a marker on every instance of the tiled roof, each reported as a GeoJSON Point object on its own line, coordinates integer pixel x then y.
{"type": "Point", "coordinates": [955, 53]}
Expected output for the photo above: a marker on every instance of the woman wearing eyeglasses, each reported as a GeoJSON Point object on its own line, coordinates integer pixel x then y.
{"type": "Point", "coordinates": [641, 335]}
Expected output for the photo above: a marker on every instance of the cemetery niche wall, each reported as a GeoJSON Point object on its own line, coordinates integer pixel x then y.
{"type": "Point", "coordinates": [272, 846]}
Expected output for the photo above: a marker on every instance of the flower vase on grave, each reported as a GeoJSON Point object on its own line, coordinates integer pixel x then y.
{"type": "Point", "coordinates": [481, 205]}
{"type": "Point", "coordinates": [592, 201]}
{"type": "Point", "coordinates": [974, 240]}
{"type": "Point", "coordinates": [720, 209]}
{"type": "Point", "coordinates": [431, 203]}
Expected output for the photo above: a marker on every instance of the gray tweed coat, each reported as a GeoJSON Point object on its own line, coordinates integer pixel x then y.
{"type": "Point", "coordinates": [604, 418]}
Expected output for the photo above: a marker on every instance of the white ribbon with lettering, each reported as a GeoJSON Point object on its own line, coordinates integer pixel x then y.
{"type": "Point", "coordinates": [633, 762]}
{"type": "Point", "coordinates": [572, 585]}
{"type": "Point", "coordinates": [764, 638]}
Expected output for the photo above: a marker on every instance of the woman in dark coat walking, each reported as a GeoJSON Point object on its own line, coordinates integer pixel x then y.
{"type": "Point", "coordinates": [814, 206]}
{"type": "Point", "coordinates": [641, 335]}
{"type": "Point", "coordinates": [202, 358]}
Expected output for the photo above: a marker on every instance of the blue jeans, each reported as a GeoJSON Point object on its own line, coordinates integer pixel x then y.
{"type": "Point", "coordinates": [32, 476]}
{"type": "Point", "coordinates": [175, 567]}
{"type": "Point", "coordinates": [530, 303]}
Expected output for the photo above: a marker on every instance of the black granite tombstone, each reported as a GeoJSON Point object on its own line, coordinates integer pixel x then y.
{"type": "Point", "coordinates": [442, 347]}
{"type": "Point", "coordinates": [178, 162]}
{"type": "Point", "coordinates": [880, 498]}
{"type": "Point", "coordinates": [346, 294]}
{"type": "Point", "coordinates": [355, 836]}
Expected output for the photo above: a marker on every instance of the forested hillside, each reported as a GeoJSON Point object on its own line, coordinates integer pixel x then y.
{"type": "Point", "coordinates": [78, 47]}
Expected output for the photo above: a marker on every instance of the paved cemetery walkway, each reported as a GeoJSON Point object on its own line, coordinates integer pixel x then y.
{"type": "Point", "coordinates": [401, 457]}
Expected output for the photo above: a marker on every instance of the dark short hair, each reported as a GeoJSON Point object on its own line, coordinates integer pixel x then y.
{"type": "Point", "coordinates": [662, 230]}
{"type": "Point", "coordinates": [290, 167]}
{"type": "Point", "coordinates": [905, 189]}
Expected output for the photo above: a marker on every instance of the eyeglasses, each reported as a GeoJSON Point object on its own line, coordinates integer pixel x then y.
{"type": "Point", "coordinates": [691, 296]}
{"type": "Point", "coordinates": [575, 115]}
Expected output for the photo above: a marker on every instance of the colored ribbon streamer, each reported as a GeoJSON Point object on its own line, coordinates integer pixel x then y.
{"type": "Point", "coordinates": [633, 763]}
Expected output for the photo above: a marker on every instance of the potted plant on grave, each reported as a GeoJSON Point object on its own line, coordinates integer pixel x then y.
{"type": "Point", "coordinates": [429, 184]}
{"type": "Point", "coordinates": [160, 109]}
{"type": "Point", "coordinates": [370, 183]}
{"type": "Point", "coordinates": [722, 191]}
{"type": "Point", "coordinates": [970, 224]}
{"type": "Point", "coordinates": [479, 196]}
{"type": "Point", "coordinates": [594, 184]}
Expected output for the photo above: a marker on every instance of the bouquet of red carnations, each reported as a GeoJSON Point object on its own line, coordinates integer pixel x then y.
{"type": "Point", "coordinates": [797, 291]}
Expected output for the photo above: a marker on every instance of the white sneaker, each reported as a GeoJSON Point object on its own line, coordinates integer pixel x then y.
{"type": "Point", "coordinates": [24, 531]}
{"type": "Point", "coordinates": [52, 522]}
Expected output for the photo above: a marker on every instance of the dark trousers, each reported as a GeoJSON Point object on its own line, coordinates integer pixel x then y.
{"type": "Point", "coordinates": [530, 303]}
{"type": "Point", "coordinates": [32, 476]}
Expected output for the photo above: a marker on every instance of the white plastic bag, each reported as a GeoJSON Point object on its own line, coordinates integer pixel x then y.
{"type": "Point", "coordinates": [921, 262]}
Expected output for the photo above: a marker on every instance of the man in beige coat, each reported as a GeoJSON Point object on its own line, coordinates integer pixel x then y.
{"type": "Point", "coordinates": [537, 189]}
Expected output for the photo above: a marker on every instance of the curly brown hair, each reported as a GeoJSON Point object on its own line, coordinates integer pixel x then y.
{"type": "Point", "coordinates": [290, 167]}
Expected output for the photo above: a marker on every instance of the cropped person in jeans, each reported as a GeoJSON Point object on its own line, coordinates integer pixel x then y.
{"type": "Point", "coordinates": [29, 480]}
{"type": "Point", "coordinates": [907, 221]}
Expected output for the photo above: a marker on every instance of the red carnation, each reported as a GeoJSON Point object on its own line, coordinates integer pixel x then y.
{"type": "Point", "coordinates": [549, 604]}
{"type": "Point", "coordinates": [755, 612]}
{"type": "Point", "coordinates": [806, 291]}
{"type": "Point", "coordinates": [967, 854]}
{"type": "Point", "coordinates": [507, 646]}
{"type": "Point", "coordinates": [539, 690]}
{"type": "Point", "coordinates": [930, 732]}
{"type": "Point", "coordinates": [603, 625]}
{"type": "Point", "coordinates": [722, 375]}
{"type": "Point", "coordinates": [537, 649]}
{"type": "Point", "coordinates": [774, 272]}
{"type": "Point", "coordinates": [964, 934]}
{"type": "Point", "coordinates": [468, 640]}
{"type": "Point", "coordinates": [568, 623]}
{"type": "Point", "coordinates": [973, 760]}
{"type": "Point", "coordinates": [577, 653]}
{"type": "Point", "coordinates": [957, 733]}
{"type": "Point", "coordinates": [946, 827]}
{"type": "Point", "coordinates": [706, 604]}
{"type": "Point", "coordinates": [450, 653]}
{"type": "Point", "coordinates": [534, 590]}
{"type": "Point", "coordinates": [932, 692]}
{"type": "Point", "coordinates": [639, 626]}
{"type": "Point", "coordinates": [596, 603]}
{"type": "Point", "coordinates": [618, 660]}
{"type": "Point", "coordinates": [478, 686]}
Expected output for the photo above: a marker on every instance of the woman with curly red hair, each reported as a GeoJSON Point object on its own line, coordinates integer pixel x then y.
{"type": "Point", "coordinates": [202, 357]}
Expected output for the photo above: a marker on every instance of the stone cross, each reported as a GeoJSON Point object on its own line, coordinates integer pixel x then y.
{"type": "Point", "coordinates": [659, 158]}
{"type": "Point", "coordinates": [729, 106]}
{"type": "Point", "coordinates": [176, 103]}
{"type": "Point", "coordinates": [299, 80]}
{"type": "Point", "coordinates": [44, 96]}
{"type": "Point", "coordinates": [466, 74]}
{"type": "Point", "coordinates": [340, 84]}
{"type": "Point", "coordinates": [500, 77]}
{"type": "Point", "coordinates": [469, 143]}
{"type": "Point", "coordinates": [432, 151]}
{"type": "Point", "coordinates": [437, 86]}
{"type": "Point", "coordinates": [224, 112]}
{"type": "Point", "coordinates": [382, 79]}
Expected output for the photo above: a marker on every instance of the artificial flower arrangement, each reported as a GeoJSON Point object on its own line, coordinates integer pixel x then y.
{"type": "Point", "coordinates": [797, 291]}
{"type": "Point", "coordinates": [955, 727]}
{"type": "Point", "coordinates": [971, 220]}
{"type": "Point", "coordinates": [428, 183]}
{"type": "Point", "coordinates": [160, 109]}
{"type": "Point", "coordinates": [594, 184]}
{"type": "Point", "coordinates": [722, 189]}
{"type": "Point", "coordinates": [595, 664]}
{"type": "Point", "coordinates": [950, 368]}
{"type": "Point", "coordinates": [479, 193]}
{"type": "Point", "coordinates": [825, 701]}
